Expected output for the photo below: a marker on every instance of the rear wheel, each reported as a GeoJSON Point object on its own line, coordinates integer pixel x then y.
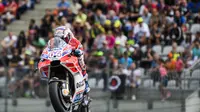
{"type": "Point", "coordinates": [55, 97]}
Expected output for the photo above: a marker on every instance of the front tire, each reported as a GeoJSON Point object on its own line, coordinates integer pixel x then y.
{"type": "Point", "coordinates": [84, 109]}
{"type": "Point", "coordinates": [55, 97]}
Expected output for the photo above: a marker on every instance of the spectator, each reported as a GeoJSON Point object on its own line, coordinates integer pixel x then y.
{"type": "Point", "coordinates": [21, 42]}
{"type": "Point", "coordinates": [162, 6]}
{"type": "Point", "coordinates": [179, 19]}
{"type": "Point", "coordinates": [29, 48]}
{"type": "Point", "coordinates": [22, 7]}
{"type": "Point", "coordinates": [112, 16]}
{"type": "Point", "coordinates": [48, 12]}
{"type": "Point", "coordinates": [10, 11]}
{"type": "Point", "coordinates": [3, 62]}
{"type": "Point", "coordinates": [110, 40]}
{"type": "Point", "coordinates": [183, 8]}
{"type": "Point", "coordinates": [9, 42]}
{"type": "Point", "coordinates": [156, 34]}
{"type": "Point", "coordinates": [133, 80]}
{"type": "Point", "coordinates": [31, 4]}
{"type": "Point", "coordinates": [174, 54]}
{"type": "Point", "coordinates": [70, 16]}
{"type": "Point", "coordinates": [176, 34]}
{"type": "Point", "coordinates": [196, 26]}
{"type": "Point", "coordinates": [125, 61]}
{"type": "Point", "coordinates": [63, 6]}
{"type": "Point", "coordinates": [187, 41]}
{"type": "Point", "coordinates": [94, 31]}
{"type": "Point", "coordinates": [194, 6]}
{"type": "Point", "coordinates": [197, 18]}
{"type": "Point", "coordinates": [141, 30]}
{"type": "Point", "coordinates": [154, 72]}
{"type": "Point", "coordinates": [118, 50]}
{"type": "Point", "coordinates": [164, 81]}
{"type": "Point", "coordinates": [155, 18]}
{"type": "Point", "coordinates": [179, 70]}
{"type": "Point", "coordinates": [2, 24]}
{"type": "Point", "coordinates": [14, 62]}
{"type": "Point", "coordinates": [33, 27]}
{"type": "Point", "coordinates": [99, 17]}
{"type": "Point", "coordinates": [137, 54]}
{"type": "Point", "coordinates": [75, 6]}
{"type": "Point", "coordinates": [148, 55]}
{"type": "Point", "coordinates": [65, 23]}
{"type": "Point", "coordinates": [146, 16]}
{"type": "Point", "coordinates": [2, 8]}
{"type": "Point", "coordinates": [45, 26]}
{"type": "Point", "coordinates": [196, 51]}
{"type": "Point", "coordinates": [136, 9]}
{"type": "Point", "coordinates": [121, 37]}
{"type": "Point", "coordinates": [99, 40]}
{"type": "Point", "coordinates": [114, 5]}
{"type": "Point", "coordinates": [81, 16]}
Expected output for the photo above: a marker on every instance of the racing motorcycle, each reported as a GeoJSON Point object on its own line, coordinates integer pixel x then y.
{"type": "Point", "coordinates": [66, 83]}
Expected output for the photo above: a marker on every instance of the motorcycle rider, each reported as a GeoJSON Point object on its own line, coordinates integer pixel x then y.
{"type": "Point", "coordinates": [66, 34]}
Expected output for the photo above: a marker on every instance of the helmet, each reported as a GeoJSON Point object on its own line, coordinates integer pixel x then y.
{"type": "Point", "coordinates": [64, 33]}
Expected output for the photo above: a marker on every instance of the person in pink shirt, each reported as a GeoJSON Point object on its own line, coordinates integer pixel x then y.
{"type": "Point", "coordinates": [113, 5]}
{"type": "Point", "coordinates": [110, 40]}
{"type": "Point", "coordinates": [179, 68]}
{"type": "Point", "coordinates": [163, 81]}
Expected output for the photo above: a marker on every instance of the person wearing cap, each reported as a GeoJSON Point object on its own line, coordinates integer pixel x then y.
{"type": "Point", "coordinates": [119, 34]}
{"type": "Point", "coordinates": [141, 30]}
{"type": "Point", "coordinates": [118, 49]}
{"type": "Point", "coordinates": [107, 25]}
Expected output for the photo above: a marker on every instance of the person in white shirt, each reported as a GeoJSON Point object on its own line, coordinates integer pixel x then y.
{"type": "Point", "coordinates": [9, 41]}
{"type": "Point", "coordinates": [121, 38]}
{"type": "Point", "coordinates": [141, 30]}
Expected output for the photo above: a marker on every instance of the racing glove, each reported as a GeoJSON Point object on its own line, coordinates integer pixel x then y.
{"type": "Point", "coordinates": [78, 52]}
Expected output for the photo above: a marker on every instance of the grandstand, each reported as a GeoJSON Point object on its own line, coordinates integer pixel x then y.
{"type": "Point", "coordinates": [133, 38]}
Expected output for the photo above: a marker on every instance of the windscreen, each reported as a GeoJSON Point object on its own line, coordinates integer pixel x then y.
{"type": "Point", "coordinates": [56, 43]}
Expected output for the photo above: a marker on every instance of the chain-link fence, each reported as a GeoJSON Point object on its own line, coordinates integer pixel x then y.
{"type": "Point", "coordinates": [26, 93]}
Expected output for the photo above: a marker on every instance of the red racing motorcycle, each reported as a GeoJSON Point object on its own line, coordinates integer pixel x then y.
{"type": "Point", "coordinates": [66, 83]}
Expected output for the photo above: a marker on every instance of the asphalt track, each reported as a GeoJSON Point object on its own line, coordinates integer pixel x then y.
{"type": "Point", "coordinates": [38, 105]}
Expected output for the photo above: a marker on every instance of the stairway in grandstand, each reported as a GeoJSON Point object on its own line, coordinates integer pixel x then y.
{"type": "Point", "coordinates": [36, 14]}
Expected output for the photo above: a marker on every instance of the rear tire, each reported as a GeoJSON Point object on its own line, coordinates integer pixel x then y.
{"type": "Point", "coordinates": [55, 97]}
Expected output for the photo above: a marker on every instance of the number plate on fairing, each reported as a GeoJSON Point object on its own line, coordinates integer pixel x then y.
{"type": "Point", "coordinates": [55, 54]}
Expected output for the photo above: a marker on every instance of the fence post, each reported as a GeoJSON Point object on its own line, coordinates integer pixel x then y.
{"type": "Point", "coordinates": [107, 86]}
{"type": "Point", "coordinates": [182, 94]}
{"type": "Point", "coordinates": [6, 85]}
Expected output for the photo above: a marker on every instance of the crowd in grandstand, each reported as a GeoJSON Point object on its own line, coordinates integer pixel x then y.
{"type": "Point", "coordinates": [11, 10]}
{"type": "Point", "coordinates": [158, 35]}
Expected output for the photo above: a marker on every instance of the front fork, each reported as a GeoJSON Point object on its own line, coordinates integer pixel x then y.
{"type": "Point", "coordinates": [65, 87]}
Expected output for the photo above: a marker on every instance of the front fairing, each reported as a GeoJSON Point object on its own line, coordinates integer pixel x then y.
{"type": "Point", "coordinates": [55, 50]}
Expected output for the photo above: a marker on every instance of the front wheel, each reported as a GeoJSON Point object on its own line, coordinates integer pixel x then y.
{"type": "Point", "coordinates": [84, 109]}
{"type": "Point", "coordinates": [55, 97]}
